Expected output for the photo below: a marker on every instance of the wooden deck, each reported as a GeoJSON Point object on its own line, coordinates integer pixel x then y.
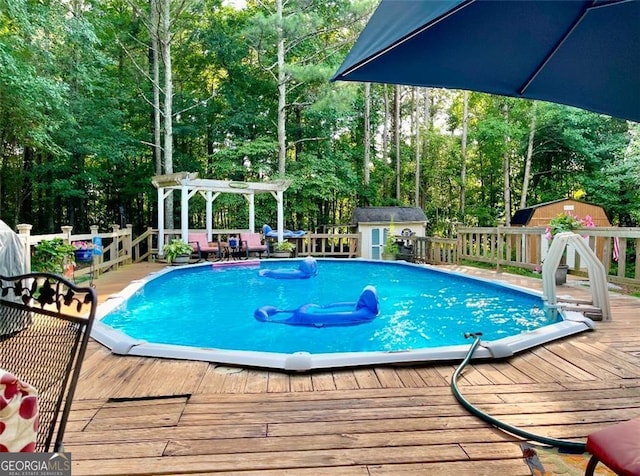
{"type": "Point", "coordinates": [139, 416]}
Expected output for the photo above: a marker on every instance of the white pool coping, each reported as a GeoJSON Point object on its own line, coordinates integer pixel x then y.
{"type": "Point", "coordinates": [120, 343]}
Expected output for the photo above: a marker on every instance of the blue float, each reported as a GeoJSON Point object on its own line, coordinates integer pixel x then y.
{"type": "Point", "coordinates": [271, 233]}
{"type": "Point", "coordinates": [306, 269]}
{"type": "Point", "coordinates": [336, 314]}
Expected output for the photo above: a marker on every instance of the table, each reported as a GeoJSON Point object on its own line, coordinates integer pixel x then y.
{"type": "Point", "coordinates": [233, 249]}
{"type": "Point", "coordinates": [18, 414]}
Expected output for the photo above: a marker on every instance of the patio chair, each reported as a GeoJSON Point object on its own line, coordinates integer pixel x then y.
{"type": "Point", "coordinates": [201, 246]}
{"type": "Point", "coordinates": [617, 447]}
{"type": "Point", "coordinates": [45, 322]}
{"type": "Point", "coordinates": [252, 243]}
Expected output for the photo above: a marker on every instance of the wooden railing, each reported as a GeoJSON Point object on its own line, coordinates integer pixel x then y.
{"type": "Point", "coordinates": [433, 250]}
{"type": "Point", "coordinates": [499, 246]}
{"type": "Point", "coordinates": [527, 247]}
{"type": "Point", "coordinates": [335, 245]}
{"type": "Point", "coordinates": [116, 247]}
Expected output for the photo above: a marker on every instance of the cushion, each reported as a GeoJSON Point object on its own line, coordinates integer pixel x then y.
{"type": "Point", "coordinates": [618, 447]}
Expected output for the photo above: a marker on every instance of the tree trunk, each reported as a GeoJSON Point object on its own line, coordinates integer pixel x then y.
{"type": "Point", "coordinates": [426, 127]}
{"type": "Point", "coordinates": [165, 50]}
{"type": "Point", "coordinates": [367, 132]}
{"type": "Point", "coordinates": [527, 164]}
{"type": "Point", "coordinates": [416, 105]}
{"type": "Point", "coordinates": [396, 135]}
{"type": "Point", "coordinates": [282, 94]}
{"type": "Point", "coordinates": [463, 170]}
{"type": "Point", "coordinates": [155, 67]}
{"type": "Point", "coordinates": [507, 170]}
{"type": "Point", "coordinates": [385, 127]}
{"type": "Point", "coordinates": [24, 206]}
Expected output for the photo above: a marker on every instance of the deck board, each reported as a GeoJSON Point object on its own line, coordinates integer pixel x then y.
{"type": "Point", "coordinates": [143, 416]}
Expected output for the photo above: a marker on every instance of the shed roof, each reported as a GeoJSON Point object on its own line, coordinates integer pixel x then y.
{"type": "Point", "coordinates": [388, 214]}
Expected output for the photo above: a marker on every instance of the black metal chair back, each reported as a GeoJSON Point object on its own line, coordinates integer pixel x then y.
{"type": "Point", "coordinates": [45, 322]}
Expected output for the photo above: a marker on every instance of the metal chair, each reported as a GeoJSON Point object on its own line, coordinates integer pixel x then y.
{"type": "Point", "coordinates": [45, 322]}
{"type": "Point", "coordinates": [202, 247]}
{"type": "Point", "coordinates": [252, 243]}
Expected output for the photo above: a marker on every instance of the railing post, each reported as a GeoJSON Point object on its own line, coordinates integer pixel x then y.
{"type": "Point", "coordinates": [24, 231]}
{"type": "Point", "coordinates": [129, 243]}
{"type": "Point", "coordinates": [96, 259]}
{"type": "Point", "coordinates": [66, 231]}
{"type": "Point", "coordinates": [116, 246]}
{"type": "Point", "coordinates": [151, 257]}
{"type": "Point", "coordinates": [500, 250]}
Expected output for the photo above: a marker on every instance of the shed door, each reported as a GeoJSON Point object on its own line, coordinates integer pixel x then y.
{"type": "Point", "coordinates": [378, 238]}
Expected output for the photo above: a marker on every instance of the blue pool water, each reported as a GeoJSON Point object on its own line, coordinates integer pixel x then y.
{"type": "Point", "coordinates": [419, 308]}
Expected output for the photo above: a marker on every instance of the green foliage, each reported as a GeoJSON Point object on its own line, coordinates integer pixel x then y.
{"type": "Point", "coordinates": [176, 248]}
{"type": "Point", "coordinates": [563, 222]}
{"type": "Point", "coordinates": [75, 124]}
{"type": "Point", "coordinates": [390, 246]}
{"type": "Point", "coordinates": [52, 255]}
{"type": "Point", "coordinates": [284, 246]}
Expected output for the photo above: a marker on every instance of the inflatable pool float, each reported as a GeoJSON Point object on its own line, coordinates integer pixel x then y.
{"type": "Point", "coordinates": [270, 233]}
{"type": "Point", "coordinates": [336, 314]}
{"type": "Point", "coordinates": [307, 268]}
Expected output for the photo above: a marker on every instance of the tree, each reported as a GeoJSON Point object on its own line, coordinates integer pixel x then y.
{"type": "Point", "coordinates": [82, 99]}
{"type": "Point", "coordinates": [527, 164]}
{"type": "Point", "coordinates": [367, 133]}
{"type": "Point", "coordinates": [463, 170]}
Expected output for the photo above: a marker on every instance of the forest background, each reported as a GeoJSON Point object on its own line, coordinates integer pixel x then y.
{"type": "Point", "coordinates": [98, 96]}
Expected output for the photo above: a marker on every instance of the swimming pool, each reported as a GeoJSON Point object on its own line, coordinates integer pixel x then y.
{"type": "Point", "coordinates": [205, 312]}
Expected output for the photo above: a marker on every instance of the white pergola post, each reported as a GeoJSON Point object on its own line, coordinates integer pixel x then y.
{"type": "Point", "coordinates": [252, 211]}
{"type": "Point", "coordinates": [209, 217]}
{"type": "Point", "coordinates": [280, 200]}
{"type": "Point", "coordinates": [184, 213]}
{"type": "Point", "coordinates": [162, 195]}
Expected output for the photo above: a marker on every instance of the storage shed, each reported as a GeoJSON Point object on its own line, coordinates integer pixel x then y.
{"type": "Point", "coordinates": [541, 214]}
{"type": "Point", "coordinates": [375, 223]}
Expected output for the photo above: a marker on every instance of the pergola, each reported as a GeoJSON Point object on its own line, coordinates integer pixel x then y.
{"type": "Point", "coordinates": [189, 184]}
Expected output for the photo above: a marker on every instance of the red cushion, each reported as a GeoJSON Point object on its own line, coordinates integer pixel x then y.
{"type": "Point", "coordinates": [618, 447]}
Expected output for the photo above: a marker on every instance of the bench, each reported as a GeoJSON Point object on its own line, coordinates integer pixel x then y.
{"type": "Point", "coordinates": [617, 447]}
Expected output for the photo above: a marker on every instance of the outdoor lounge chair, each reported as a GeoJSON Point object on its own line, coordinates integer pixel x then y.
{"type": "Point", "coordinates": [45, 322]}
{"type": "Point", "coordinates": [201, 246]}
{"type": "Point", "coordinates": [617, 447]}
{"type": "Point", "coordinates": [252, 243]}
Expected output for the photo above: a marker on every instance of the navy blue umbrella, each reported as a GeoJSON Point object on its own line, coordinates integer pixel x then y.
{"type": "Point", "coordinates": [579, 53]}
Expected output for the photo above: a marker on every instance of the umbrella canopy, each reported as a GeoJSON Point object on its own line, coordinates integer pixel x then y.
{"type": "Point", "coordinates": [579, 53]}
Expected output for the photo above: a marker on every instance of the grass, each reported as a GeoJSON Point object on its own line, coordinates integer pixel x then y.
{"type": "Point", "coordinates": [530, 274]}
{"type": "Point", "coordinates": [507, 269]}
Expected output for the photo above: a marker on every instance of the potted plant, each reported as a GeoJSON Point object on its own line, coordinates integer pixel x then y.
{"type": "Point", "coordinates": [390, 248]}
{"type": "Point", "coordinates": [561, 223]}
{"type": "Point", "coordinates": [53, 256]}
{"type": "Point", "coordinates": [83, 251]}
{"type": "Point", "coordinates": [177, 251]}
{"type": "Point", "coordinates": [283, 249]}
